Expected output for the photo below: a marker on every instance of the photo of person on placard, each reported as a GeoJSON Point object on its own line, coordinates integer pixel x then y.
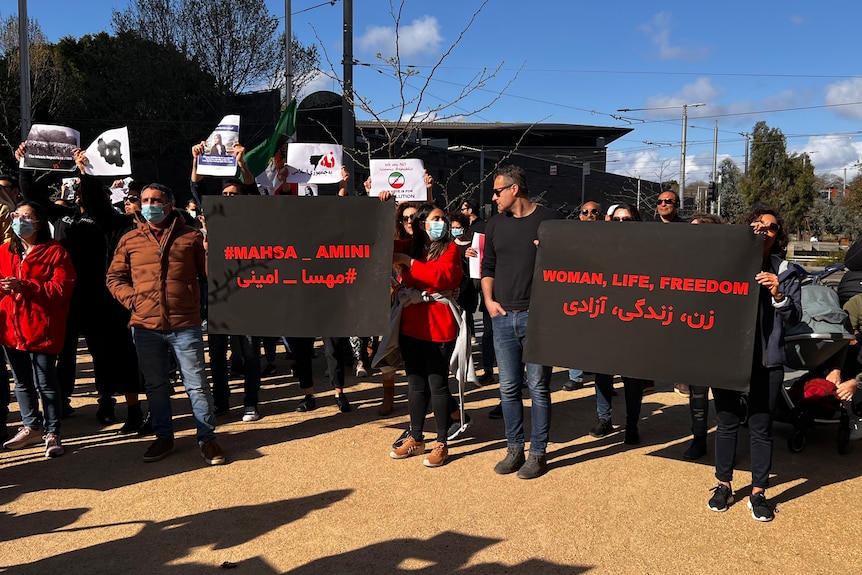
{"type": "Point", "coordinates": [218, 149]}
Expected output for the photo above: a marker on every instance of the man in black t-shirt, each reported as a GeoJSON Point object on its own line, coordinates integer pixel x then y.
{"type": "Point", "coordinates": [507, 280]}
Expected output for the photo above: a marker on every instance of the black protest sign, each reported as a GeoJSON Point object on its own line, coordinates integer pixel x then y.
{"type": "Point", "coordinates": [296, 266]}
{"type": "Point", "coordinates": [675, 303]}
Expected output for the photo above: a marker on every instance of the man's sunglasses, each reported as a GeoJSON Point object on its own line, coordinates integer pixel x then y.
{"type": "Point", "coordinates": [586, 212]}
{"type": "Point", "coordinates": [621, 219]}
{"type": "Point", "coordinates": [670, 201]}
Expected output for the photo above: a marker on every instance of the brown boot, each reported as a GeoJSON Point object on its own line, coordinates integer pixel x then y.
{"type": "Point", "coordinates": [388, 397]}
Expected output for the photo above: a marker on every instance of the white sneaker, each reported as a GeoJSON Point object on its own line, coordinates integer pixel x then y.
{"type": "Point", "coordinates": [251, 414]}
{"type": "Point", "coordinates": [360, 370]}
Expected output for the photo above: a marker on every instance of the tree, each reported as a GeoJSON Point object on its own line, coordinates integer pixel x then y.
{"type": "Point", "coordinates": [732, 204]}
{"type": "Point", "coordinates": [236, 42]}
{"type": "Point", "coordinates": [763, 183]}
{"type": "Point", "coordinates": [398, 121]}
{"type": "Point", "coordinates": [799, 191]}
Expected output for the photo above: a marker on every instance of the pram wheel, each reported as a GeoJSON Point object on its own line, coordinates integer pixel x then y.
{"type": "Point", "coordinates": [844, 434]}
{"type": "Point", "coordinates": [796, 441]}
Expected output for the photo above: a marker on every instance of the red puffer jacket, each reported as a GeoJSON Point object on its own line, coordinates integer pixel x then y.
{"type": "Point", "coordinates": [433, 321]}
{"type": "Point", "coordinates": [34, 319]}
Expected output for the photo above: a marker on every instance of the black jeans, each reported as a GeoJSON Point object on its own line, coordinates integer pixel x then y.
{"type": "Point", "coordinates": [634, 393]}
{"type": "Point", "coordinates": [427, 367]}
{"type": "Point", "coordinates": [765, 387]}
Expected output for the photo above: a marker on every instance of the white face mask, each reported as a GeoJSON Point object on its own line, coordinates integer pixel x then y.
{"type": "Point", "coordinates": [193, 213]}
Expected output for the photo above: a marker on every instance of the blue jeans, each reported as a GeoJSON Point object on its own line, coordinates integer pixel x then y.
{"type": "Point", "coordinates": [574, 374]}
{"type": "Point", "coordinates": [187, 344]}
{"type": "Point", "coordinates": [36, 375]}
{"type": "Point", "coordinates": [634, 393]}
{"type": "Point", "coordinates": [510, 330]}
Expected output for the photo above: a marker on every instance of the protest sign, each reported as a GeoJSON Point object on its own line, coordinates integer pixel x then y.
{"type": "Point", "coordinates": [669, 302]}
{"type": "Point", "coordinates": [314, 163]}
{"type": "Point", "coordinates": [218, 158]}
{"type": "Point", "coordinates": [477, 244]}
{"type": "Point", "coordinates": [404, 179]}
{"type": "Point", "coordinates": [50, 147]}
{"type": "Point", "coordinates": [109, 154]}
{"type": "Point", "coordinates": [288, 265]}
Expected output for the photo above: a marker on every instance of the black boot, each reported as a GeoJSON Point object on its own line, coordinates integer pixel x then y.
{"type": "Point", "coordinates": [147, 426]}
{"type": "Point", "coordinates": [134, 420]}
{"type": "Point", "coordinates": [697, 449]}
{"type": "Point", "coordinates": [105, 414]}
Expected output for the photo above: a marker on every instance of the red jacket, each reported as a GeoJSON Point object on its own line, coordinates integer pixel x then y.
{"type": "Point", "coordinates": [432, 321]}
{"type": "Point", "coordinates": [35, 318]}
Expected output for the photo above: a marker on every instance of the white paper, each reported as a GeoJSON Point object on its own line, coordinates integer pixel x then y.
{"type": "Point", "coordinates": [218, 158]}
{"type": "Point", "coordinates": [49, 147]}
{"type": "Point", "coordinates": [405, 179]}
{"type": "Point", "coordinates": [110, 154]}
{"type": "Point", "coordinates": [476, 263]}
{"type": "Point", "coordinates": [314, 163]}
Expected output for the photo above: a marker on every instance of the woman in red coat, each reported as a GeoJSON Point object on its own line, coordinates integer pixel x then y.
{"type": "Point", "coordinates": [432, 266]}
{"type": "Point", "coordinates": [36, 279]}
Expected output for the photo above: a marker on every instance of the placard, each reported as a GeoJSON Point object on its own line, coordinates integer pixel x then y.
{"type": "Point", "coordinates": [404, 179]}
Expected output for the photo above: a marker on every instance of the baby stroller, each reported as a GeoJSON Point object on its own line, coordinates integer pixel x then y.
{"type": "Point", "coordinates": [818, 344]}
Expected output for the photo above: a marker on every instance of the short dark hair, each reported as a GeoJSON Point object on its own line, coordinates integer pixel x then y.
{"type": "Point", "coordinates": [636, 215]}
{"type": "Point", "coordinates": [12, 180]}
{"type": "Point", "coordinates": [706, 219]}
{"type": "Point", "coordinates": [460, 218]}
{"type": "Point", "coordinates": [228, 182]}
{"type": "Point", "coordinates": [675, 195]}
{"type": "Point", "coordinates": [517, 175]}
{"type": "Point", "coordinates": [167, 194]}
{"type": "Point", "coordinates": [468, 204]}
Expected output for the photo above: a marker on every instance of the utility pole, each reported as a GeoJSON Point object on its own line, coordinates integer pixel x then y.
{"type": "Point", "coordinates": [714, 182]}
{"type": "Point", "coordinates": [746, 136]}
{"type": "Point", "coordinates": [288, 51]}
{"type": "Point", "coordinates": [348, 120]}
{"type": "Point", "coordinates": [24, 51]}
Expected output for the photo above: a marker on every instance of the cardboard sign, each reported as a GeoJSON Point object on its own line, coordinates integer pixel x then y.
{"type": "Point", "coordinates": [404, 179]}
{"type": "Point", "coordinates": [293, 266]}
{"type": "Point", "coordinates": [674, 303]}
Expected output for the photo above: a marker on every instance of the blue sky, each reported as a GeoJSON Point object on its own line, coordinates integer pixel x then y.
{"type": "Point", "coordinates": [564, 61]}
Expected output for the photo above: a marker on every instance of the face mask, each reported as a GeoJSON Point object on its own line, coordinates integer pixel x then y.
{"type": "Point", "coordinates": [193, 213]}
{"type": "Point", "coordinates": [23, 228]}
{"type": "Point", "coordinates": [457, 232]}
{"type": "Point", "coordinates": [437, 229]}
{"type": "Point", "coordinates": [153, 213]}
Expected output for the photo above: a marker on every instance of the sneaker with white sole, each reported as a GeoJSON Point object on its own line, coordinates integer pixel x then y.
{"type": "Point", "coordinates": [761, 509]}
{"type": "Point", "coordinates": [251, 414]}
{"type": "Point", "coordinates": [439, 456]}
{"type": "Point", "coordinates": [721, 498]}
{"type": "Point", "coordinates": [53, 447]}
{"type": "Point", "coordinates": [360, 370]}
{"type": "Point", "coordinates": [410, 446]}
{"type": "Point", "coordinates": [25, 437]}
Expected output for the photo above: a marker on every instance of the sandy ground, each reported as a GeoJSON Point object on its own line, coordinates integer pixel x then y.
{"type": "Point", "coordinates": [317, 493]}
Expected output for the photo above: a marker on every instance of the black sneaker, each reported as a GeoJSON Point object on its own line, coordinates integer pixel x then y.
{"type": "Point", "coordinates": [400, 441]}
{"type": "Point", "coordinates": [605, 427]}
{"type": "Point", "coordinates": [343, 404]}
{"type": "Point", "coordinates": [761, 509]}
{"type": "Point", "coordinates": [497, 412]}
{"type": "Point", "coordinates": [632, 435]}
{"type": "Point", "coordinates": [512, 462]}
{"type": "Point", "coordinates": [220, 410]}
{"type": "Point", "coordinates": [534, 467]}
{"type": "Point", "coordinates": [722, 497]}
{"type": "Point", "coordinates": [696, 450]}
{"type": "Point", "coordinates": [105, 414]}
{"type": "Point", "coordinates": [456, 430]}
{"type": "Point", "coordinates": [574, 384]}
{"type": "Point", "coordinates": [134, 420]}
{"type": "Point", "coordinates": [269, 370]}
{"type": "Point", "coordinates": [307, 403]}
{"type": "Point", "coordinates": [147, 426]}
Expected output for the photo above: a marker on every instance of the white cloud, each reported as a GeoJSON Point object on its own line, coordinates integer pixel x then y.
{"type": "Point", "coordinates": [658, 31]}
{"type": "Point", "coordinates": [831, 154]}
{"type": "Point", "coordinates": [320, 81]}
{"type": "Point", "coordinates": [846, 92]}
{"type": "Point", "coordinates": [422, 36]}
{"type": "Point", "coordinates": [419, 117]}
{"type": "Point", "coordinates": [701, 90]}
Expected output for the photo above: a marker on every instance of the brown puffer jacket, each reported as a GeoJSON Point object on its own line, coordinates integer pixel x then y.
{"type": "Point", "coordinates": [158, 281]}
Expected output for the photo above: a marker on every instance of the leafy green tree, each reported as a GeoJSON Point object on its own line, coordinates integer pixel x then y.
{"type": "Point", "coordinates": [763, 183]}
{"type": "Point", "coordinates": [733, 205]}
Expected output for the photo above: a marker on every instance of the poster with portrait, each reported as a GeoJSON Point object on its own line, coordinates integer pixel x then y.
{"type": "Point", "coordinates": [668, 302]}
{"type": "Point", "coordinates": [218, 159]}
{"type": "Point", "coordinates": [404, 179]}
{"type": "Point", "coordinates": [49, 147]}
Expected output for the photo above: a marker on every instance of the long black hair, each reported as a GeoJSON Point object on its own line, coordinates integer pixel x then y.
{"type": "Point", "coordinates": [420, 235]}
{"type": "Point", "coordinates": [781, 238]}
{"type": "Point", "coordinates": [43, 234]}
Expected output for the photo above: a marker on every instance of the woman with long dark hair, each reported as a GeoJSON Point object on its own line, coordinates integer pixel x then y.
{"type": "Point", "coordinates": [428, 328]}
{"type": "Point", "coordinates": [36, 279]}
{"type": "Point", "coordinates": [779, 306]}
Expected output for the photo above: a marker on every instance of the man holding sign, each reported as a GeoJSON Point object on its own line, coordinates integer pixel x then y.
{"type": "Point", "coordinates": [507, 281]}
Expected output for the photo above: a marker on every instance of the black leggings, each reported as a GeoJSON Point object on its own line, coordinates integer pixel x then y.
{"type": "Point", "coordinates": [427, 367]}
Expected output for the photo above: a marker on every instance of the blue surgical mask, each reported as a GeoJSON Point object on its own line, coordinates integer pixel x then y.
{"type": "Point", "coordinates": [153, 213]}
{"type": "Point", "coordinates": [457, 232]}
{"type": "Point", "coordinates": [23, 228]}
{"type": "Point", "coordinates": [437, 229]}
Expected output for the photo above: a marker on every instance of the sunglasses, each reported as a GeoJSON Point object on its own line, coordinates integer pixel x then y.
{"type": "Point", "coordinates": [770, 225]}
{"type": "Point", "coordinates": [131, 199]}
{"type": "Point", "coordinates": [586, 212]}
{"type": "Point", "coordinates": [406, 219]}
{"type": "Point", "coordinates": [622, 219]}
{"type": "Point", "coordinates": [666, 201]}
